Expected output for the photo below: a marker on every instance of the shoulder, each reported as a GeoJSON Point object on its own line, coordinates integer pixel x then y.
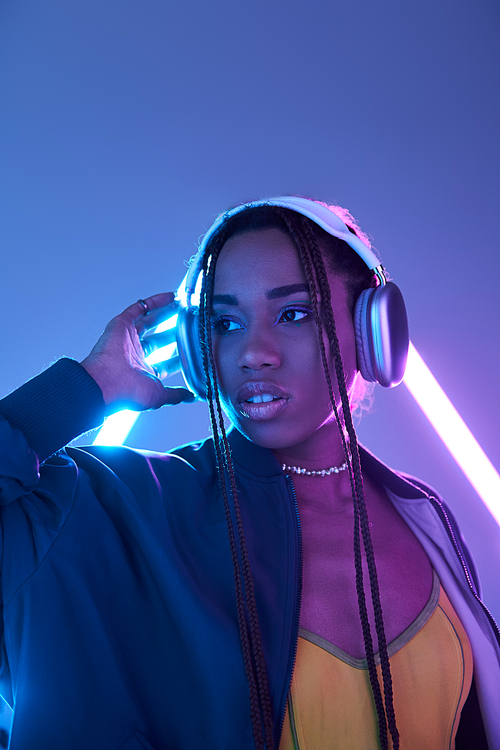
{"type": "Point", "coordinates": [137, 468]}
{"type": "Point", "coordinates": [401, 484]}
{"type": "Point", "coordinates": [411, 496]}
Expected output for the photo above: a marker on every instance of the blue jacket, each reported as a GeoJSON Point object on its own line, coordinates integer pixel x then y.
{"type": "Point", "coordinates": [119, 616]}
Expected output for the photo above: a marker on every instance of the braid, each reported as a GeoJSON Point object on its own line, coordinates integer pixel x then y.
{"type": "Point", "coordinates": [312, 258]}
{"type": "Point", "coordinates": [253, 655]}
{"type": "Point", "coordinates": [360, 502]}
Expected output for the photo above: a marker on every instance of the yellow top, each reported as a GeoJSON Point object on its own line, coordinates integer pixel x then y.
{"type": "Point", "coordinates": [330, 704]}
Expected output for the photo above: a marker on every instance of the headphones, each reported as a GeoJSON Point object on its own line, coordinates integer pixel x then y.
{"type": "Point", "coordinates": [380, 320]}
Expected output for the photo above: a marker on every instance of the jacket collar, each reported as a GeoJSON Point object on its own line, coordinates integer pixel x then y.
{"type": "Point", "coordinates": [253, 457]}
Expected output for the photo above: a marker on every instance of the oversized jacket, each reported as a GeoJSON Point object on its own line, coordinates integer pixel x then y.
{"type": "Point", "coordinates": [119, 620]}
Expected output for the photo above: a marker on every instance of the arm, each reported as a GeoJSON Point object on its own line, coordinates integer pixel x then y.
{"type": "Point", "coordinates": [68, 399]}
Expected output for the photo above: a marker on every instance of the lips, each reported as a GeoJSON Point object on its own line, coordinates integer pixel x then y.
{"type": "Point", "coordinates": [261, 400]}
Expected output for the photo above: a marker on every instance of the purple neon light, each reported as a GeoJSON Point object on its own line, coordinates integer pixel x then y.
{"type": "Point", "coordinates": [453, 431]}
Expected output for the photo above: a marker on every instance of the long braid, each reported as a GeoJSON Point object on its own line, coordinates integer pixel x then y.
{"type": "Point", "coordinates": [255, 636]}
{"type": "Point", "coordinates": [359, 499]}
{"type": "Point", "coordinates": [254, 708]}
{"type": "Point", "coordinates": [255, 666]}
{"type": "Point", "coordinates": [311, 256]}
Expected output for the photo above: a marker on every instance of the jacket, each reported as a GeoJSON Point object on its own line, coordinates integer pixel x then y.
{"type": "Point", "coordinates": [119, 618]}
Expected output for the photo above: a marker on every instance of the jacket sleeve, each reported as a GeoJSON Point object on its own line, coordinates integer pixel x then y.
{"type": "Point", "coordinates": [54, 407]}
{"type": "Point", "coordinates": [36, 421]}
{"type": "Point", "coordinates": [40, 418]}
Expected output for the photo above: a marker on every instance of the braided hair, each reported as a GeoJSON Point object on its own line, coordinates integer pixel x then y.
{"type": "Point", "coordinates": [341, 259]}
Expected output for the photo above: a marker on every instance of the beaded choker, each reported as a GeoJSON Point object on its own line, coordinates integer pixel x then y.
{"type": "Point", "coordinates": [321, 473]}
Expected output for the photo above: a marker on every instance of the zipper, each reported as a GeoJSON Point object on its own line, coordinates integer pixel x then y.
{"type": "Point", "coordinates": [296, 620]}
{"type": "Point", "coordinates": [441, 511]}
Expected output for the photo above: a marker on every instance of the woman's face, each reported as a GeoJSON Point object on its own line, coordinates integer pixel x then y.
{"type": "Point", "coordinates": [265, 342]}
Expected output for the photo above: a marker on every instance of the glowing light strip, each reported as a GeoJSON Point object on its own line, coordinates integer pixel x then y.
{"type": "Point", "coordinates": [116, 428]}
{"type": "Point", "coordinates": [453, 431]}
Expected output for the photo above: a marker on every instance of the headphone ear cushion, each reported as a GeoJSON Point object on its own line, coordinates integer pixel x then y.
{"type": "Point", "coordinates": [361, 329]}
{"type": "Point", "coordinates": [382, 338]}
{"type": "Point", "coordinates": [187, 337]}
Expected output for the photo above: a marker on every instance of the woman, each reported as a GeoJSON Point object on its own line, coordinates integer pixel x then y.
{"type": "Point", "coordinates": [131, 622]}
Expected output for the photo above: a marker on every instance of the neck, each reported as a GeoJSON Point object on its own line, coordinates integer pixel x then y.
{"type": "Point", "coordinates": [324, 494]}
{"type": "Point", "coordinates": [315, 455]}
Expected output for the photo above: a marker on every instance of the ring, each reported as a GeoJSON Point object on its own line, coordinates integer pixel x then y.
{"type": "Point", "coordinates": [144, 305]}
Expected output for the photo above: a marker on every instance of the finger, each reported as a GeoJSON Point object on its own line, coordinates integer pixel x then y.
{"type": "Point", "coordinates": [147, 324]}
{"type": "Point", "coordinates": [152, 341]}
{"type": "Point", "coordinates": [178, 396]}
{"type": "Point", "coordinates": [159, 348]}
{"type": "Point", "coordinates": [162, 314]}
{"type": "Point", "coordinates": [165, 318]}
{"type": "Point", "coordinates": [138, 309]}
{"type": "Point", "coordinates": [166, 367]}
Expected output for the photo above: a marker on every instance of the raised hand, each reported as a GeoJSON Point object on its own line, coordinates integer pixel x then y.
{"type": "Point", "coordinates": [117, 362]}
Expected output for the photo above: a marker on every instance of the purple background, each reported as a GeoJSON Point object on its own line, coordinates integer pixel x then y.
{"type": "Point", "coordinates": [127, 125]}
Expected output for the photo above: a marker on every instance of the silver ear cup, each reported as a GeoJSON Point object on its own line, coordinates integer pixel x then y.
{"type": "Point", "coordinates": [188, 347]}
{"type": "Point", "coordinates": [382, 336]}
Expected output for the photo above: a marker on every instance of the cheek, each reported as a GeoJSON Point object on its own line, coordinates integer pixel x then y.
{"type": "Point", "coordinates": [221, 357]}
{"type": "Point", "coordinates": [225, 361]}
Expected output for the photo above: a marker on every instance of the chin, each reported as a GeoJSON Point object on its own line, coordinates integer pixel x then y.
{"type": "Point", "coordinates": [268, 436]}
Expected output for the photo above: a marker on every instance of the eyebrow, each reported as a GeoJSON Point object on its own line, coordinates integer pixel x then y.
{"type": "Point", "coordinates": [286, 291]}
{"type": "Point", "coordinates": [276, 293]}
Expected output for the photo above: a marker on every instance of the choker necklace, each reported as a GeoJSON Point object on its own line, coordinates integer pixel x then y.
{"type": "Point", "coordinates": [321, 473]}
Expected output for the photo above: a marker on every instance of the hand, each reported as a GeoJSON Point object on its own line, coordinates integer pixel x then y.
{"type": "Point", "coordinates": [117, 361]}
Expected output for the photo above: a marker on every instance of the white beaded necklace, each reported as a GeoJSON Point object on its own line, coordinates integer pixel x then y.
{"type": "Point", "coordinates": [321, 473]}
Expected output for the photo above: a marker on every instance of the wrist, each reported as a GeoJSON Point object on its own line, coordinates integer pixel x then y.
{"type": "Point", "coordinates": [55, 407]}
{"type": "Point", "coordinates": [99, 373]}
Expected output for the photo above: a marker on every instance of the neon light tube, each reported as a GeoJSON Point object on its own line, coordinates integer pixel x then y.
{"type": "Point", "coordinates": [453, 431]}
{"type": "Point", "coordinates": [116, 428]}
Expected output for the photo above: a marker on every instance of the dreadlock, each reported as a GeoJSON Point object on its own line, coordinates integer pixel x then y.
{"type": "Point", "coordinates": [305, 235]}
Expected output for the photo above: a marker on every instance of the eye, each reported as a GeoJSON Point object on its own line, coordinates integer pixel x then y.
{"type": "Point", "coordinates": [223, 325]}
{"type": "Point", "coordinates": [295, 314]}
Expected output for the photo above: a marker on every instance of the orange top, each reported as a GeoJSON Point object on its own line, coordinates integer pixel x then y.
{"type": "Point", "coordinates": [330, 704]}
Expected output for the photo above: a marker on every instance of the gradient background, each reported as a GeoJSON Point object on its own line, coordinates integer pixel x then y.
{"type": "Point", "coordinates": [127, 125]}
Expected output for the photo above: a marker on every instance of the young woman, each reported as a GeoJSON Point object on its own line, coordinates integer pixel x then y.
{"type": "Point", "coordinates": [272, 587]}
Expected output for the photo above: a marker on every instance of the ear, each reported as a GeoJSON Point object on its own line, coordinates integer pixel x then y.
{"type": "Point", "coordinates": [382, 337]}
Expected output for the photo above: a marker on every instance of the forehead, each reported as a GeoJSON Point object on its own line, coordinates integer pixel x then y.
{"type": "Point", "coordinates": [266, 257]}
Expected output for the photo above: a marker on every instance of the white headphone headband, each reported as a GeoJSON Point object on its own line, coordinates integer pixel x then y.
{"type": "Point", "coordinates": [380, 320]}
{"type": "Point", "coordinates": [317, 212]}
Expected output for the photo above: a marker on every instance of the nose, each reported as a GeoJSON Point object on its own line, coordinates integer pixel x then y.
{"type": "Point", "coordinates": [258, 351]}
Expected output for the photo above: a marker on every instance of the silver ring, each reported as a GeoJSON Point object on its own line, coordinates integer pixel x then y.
{"type": "Point", "coordinates": [144, 305]}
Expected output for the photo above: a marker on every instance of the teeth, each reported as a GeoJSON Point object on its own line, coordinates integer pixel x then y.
{"type": "Point", "coordinates": [263, 398]}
